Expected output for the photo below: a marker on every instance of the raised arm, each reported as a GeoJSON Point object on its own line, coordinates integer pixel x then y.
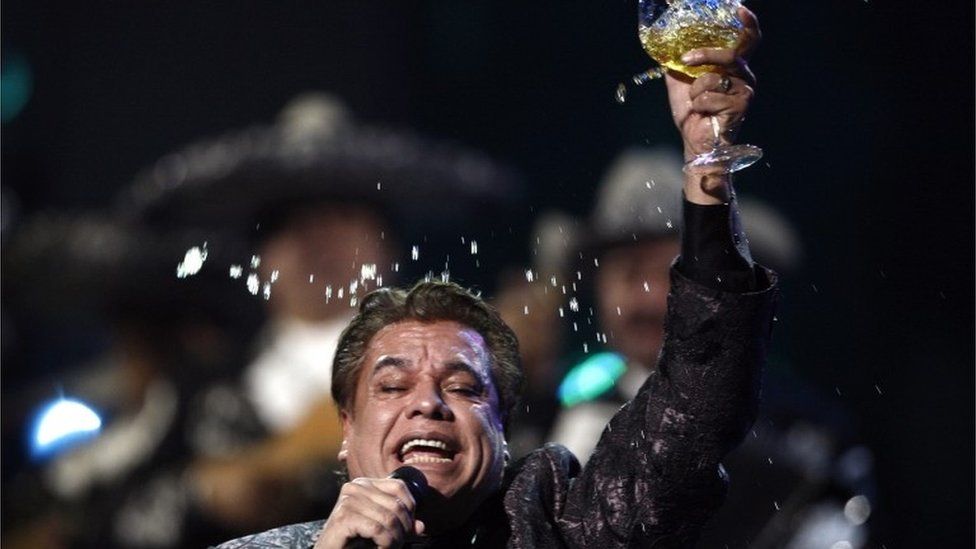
{"type": "Point", "coordinates": [655, 476]}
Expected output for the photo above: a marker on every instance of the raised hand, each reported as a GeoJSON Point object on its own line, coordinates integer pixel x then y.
{"type": "Point", "coordinates": [724, 95]}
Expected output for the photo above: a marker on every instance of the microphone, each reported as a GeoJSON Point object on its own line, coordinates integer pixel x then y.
{"type": "Point", "coordinates": [415, 480]}
{"type": "Point", "coordinates": [417, 485]}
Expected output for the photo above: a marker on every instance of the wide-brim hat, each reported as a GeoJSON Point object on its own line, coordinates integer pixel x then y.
{"type": "Point", "coordinates": [315, 152]}
{"type": "Point", "coordinates": [638, 198]}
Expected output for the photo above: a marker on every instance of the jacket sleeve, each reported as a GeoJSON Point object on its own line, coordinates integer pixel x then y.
{"type": "Point", "coordinates": [655, 477]}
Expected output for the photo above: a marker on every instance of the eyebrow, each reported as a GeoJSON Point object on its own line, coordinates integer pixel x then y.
{"type": "Point", "coordinates": [402, 364]}
{"type": "Point", "coordinates": [388, 362]}
{"type": "Point", "coordinates": [461, 366]}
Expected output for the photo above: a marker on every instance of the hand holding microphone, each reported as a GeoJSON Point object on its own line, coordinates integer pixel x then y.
{"type": "Point", "coordinates": [375, 512]}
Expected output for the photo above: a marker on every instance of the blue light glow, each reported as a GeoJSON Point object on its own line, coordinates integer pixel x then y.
{"type": "Point", "coordinates": [63, 423]}
{"type": "Point", "coordinates": [591, 378]}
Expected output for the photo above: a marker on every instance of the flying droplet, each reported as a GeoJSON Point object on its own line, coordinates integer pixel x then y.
{"type": "Point", "coordinates": [266, 290]}
{"type": "Point", "coordinates": [415, 253]}
{"type": "Point", "coordinates": [367, 271]}
{"type": "Point", "coordinates": [253, 284]}
{"type": "Point", "coordinates": [311, 278]}
{"type": "Point", "coordinates": [529, 275]}
{"type": "Point", "coordinates": [573, 304]}
{"type": "Point", "coordinates": [618, 311]}
{"type": "Point", "coordinates": [525, 310]}
{"type": "Point", "coordinates": [621, 95]}
{"type": "Point", "coordinates": [255, 261]}
{"type": "Point", "coordinates": [192, 262]}
{"type": "Point", "coordinates": [274, 276]}
{"type": "Point", "coordinates": [647, 287]}
{"type": "Point", "coordinates": [474, 247]}
{"type": "Point", "coordinates": [236, 271]}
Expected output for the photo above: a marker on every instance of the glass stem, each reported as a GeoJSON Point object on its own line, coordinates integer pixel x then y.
{"type": "Point", "coordinates": [716, 131]}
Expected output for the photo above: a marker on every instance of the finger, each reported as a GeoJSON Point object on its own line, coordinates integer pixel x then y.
{"type": "Point", "coordinates": [750, 35]}
{"type": "Point", "coordinates": [711, 103]}
{"type": "Point", "coordinates": [398, 489]}
{"type": "Point", "coordinates": [709, 56]}
{"type": "Point", "coordinates": [355, 516]}
{"type": "Point", "coordinates": [727, 61]}
{"type": "Point", "coordinates": [368, 528]}
{"type": "Point", "coordinates": [394, 511]}
{"type": "Point", "coordinates": [714, 82]}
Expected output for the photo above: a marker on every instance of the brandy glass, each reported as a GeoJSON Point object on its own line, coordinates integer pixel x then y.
{"type": "Point", "coordinates": [669, 29]}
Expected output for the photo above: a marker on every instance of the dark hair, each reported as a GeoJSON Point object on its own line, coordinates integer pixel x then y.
{"type": "Point", "coordinates": [429, 302]}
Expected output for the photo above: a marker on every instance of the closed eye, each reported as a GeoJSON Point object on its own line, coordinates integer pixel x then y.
{"type": "Point", "coordinates": [464, 390]}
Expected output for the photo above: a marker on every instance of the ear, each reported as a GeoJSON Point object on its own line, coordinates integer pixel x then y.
{"type": "Point", "coordinates": [347, 431]}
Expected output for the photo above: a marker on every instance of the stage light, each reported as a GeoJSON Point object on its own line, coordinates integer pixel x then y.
{"type": "Point", "coordinates": [63, 424]}
{"type": "Point", "coordinates": [591, 378]}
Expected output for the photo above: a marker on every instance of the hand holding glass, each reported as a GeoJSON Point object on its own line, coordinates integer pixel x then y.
{"type": "Point", "coordinates": [684, 25]}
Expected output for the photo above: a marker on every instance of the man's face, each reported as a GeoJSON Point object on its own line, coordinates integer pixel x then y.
{"type": "Point", "coordinates": [425, 397]}
{"type": "Point", "coordinates": [632, 287]}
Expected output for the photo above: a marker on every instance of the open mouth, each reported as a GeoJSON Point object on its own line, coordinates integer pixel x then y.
{"type": "Point", "coordinates": [421, 450]}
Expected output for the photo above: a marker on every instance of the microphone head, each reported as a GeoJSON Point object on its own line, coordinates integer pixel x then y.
{"type": "Point", "coordinates": [415, 480]}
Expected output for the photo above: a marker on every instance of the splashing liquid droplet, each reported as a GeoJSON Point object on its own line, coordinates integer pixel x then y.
{"type": "Point", "coordinates": [192, 262]}
{"type": "Point", "coordinates": [253, 284]}
{"type": "Point", "coordinates": [639, 79]}
{"type": "Point", "coordinates": [621, 95]}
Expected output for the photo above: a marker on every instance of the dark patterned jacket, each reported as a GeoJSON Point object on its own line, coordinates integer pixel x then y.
{"type": "Point", "coordinates": [655, 477]}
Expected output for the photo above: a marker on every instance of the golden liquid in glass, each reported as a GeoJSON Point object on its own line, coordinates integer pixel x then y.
{"type": "Point", "coordinates": [668, 45]}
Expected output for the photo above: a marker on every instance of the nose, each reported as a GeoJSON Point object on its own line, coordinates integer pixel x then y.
{"type": "Point", "coordinates": [427, 402]}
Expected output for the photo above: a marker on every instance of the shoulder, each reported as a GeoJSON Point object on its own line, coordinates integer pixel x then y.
{"type": "Point", "coordinates": [553, 464]}
{"type": "Point", "coordinates": [293, 536]}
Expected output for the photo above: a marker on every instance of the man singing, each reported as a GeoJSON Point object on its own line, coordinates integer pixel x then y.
{"type": "Point", "coordinates": [428, 377]}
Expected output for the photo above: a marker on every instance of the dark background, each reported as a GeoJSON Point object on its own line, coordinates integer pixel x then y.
{"type": "Point", "coordinates": [865, 113]}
